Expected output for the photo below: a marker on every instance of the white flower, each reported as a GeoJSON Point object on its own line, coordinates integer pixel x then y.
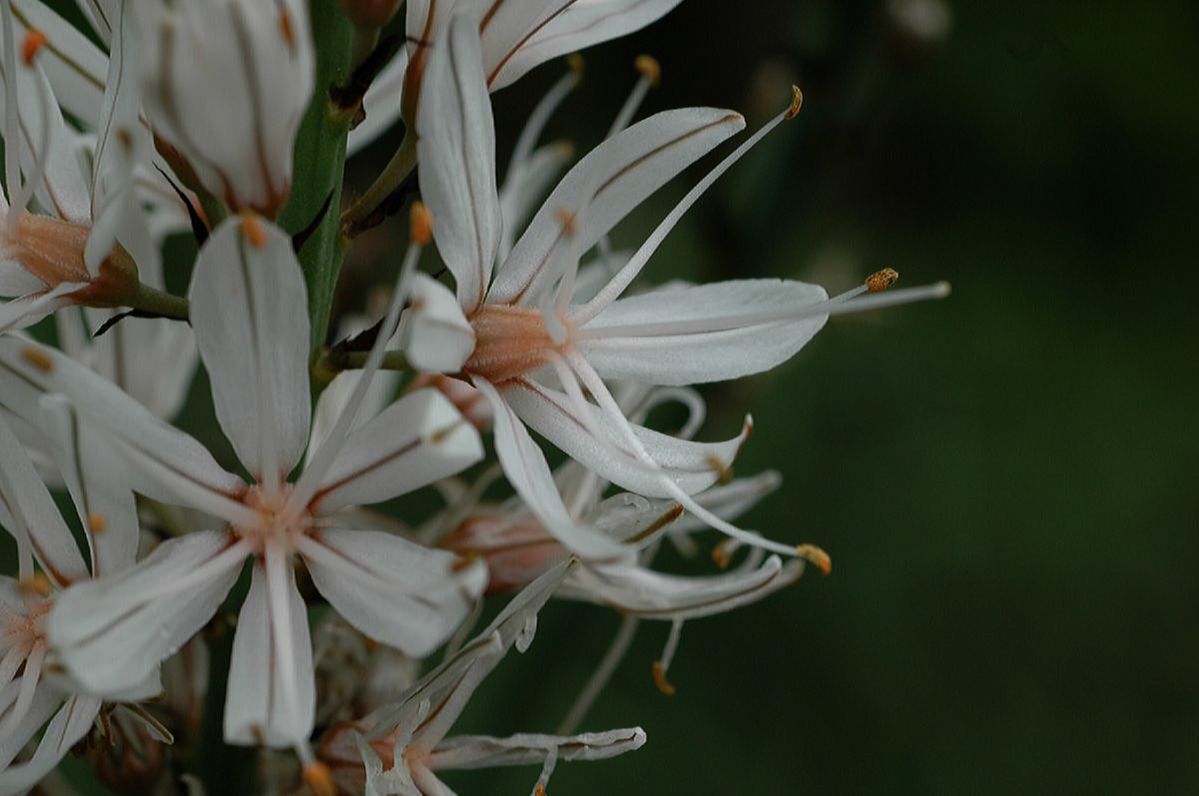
{"type": "Point", "coordinates": [404, 744]}
{"type": "Point", "coordinates": [516, 37]}
{"type": "Point", "coordinates": [70, 255]}
{"type": "Point", "coordinates": [248, 310]}
{"type": "Point", "coordinates": [226, 84]}
{"type": "Point", "coordinates": [533, 352]}
{"type": "Point", "coordinates": [37, 696]}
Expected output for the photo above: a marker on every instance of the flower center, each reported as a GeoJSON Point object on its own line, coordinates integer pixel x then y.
{"type": "Point", "coordinates": [48, 248]}
{"type": "Point", "coordinates": [24, 628]}
{"type": "Point", "coordinates": [274, 524]}
{"type": "Point", "coordinates": [512, 341]}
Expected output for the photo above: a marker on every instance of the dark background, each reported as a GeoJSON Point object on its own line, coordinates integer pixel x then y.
{"type": "Point", "coordinates": [1005, 480]}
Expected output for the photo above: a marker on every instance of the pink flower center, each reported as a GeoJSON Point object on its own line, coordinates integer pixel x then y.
{"type": "Point", "coordinates": [511, 341]}
{"type": "Point", "coordinates": [274, 524]}
{"type": "Point", "coordinates": [49, 248]}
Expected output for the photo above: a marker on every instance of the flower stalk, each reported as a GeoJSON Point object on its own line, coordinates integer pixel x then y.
{"type": "Point", "coordinates": [320, 155]}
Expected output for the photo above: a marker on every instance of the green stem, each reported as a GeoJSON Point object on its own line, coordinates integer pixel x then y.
{"type": "Point", "coordinates": [320, 156]}
{"type": "Point", "coordinates": [333, 362]}
{"type": "Point", "coordinates": [156, 301]}
{"type": "Point", "coordinates": [395, 172]}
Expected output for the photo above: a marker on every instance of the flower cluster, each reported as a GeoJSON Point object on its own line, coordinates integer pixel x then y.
{"type": "Point", "coordinates": [229, 122]}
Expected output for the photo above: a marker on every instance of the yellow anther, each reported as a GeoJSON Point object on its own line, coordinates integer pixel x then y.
{"type": "Point", "coordinates": [36, 583]}
{"type": "Point", "coordinates": [722, 554]}
{"type": "Point", "coordinates": [539, 790]}
{"type": "Point", "coordinates": [664, 685]}
{"type": "Point", "coordinates": [817, 556]}
{"type": "Point", "coordinates": [420, 224]}
{"type": "Point", "coordinates": [319, 779]}
{"type": "Point", "coordinates": [649, 68]}
{"type": "Point", "coordinates": [252, 228]}
{"type": "Point", "coordinates": [881, 280]}
{"type": "Point", "coordinates": [796, 102]}
{"type": "Point", "coordinates": [576, 64]}
{"type": "Point", "coordinates": [97, 523]}
{"type": "Point", "coordinates": [32, 45]}
{"type": "Point", "coordinates": [38, 358]}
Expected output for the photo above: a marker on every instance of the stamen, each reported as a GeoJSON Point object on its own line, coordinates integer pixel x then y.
{"type": "Point", "coordinates": [420, 224]}
{"type": "Point", "coordinates": [32, 45]}
{"type": "Point", "coordinates": [419, 221]}
{"type": "Point", "coordinates": [722, 553]}
{"type": "Point", "coordinates": [97, 523]}
{"type": "Point", "coordinates": [38, 358]}
{"type": "Point", "coordinates": [651, 75]}
{"type": "Point", "coordinates": [817, 556]}
{"type": "Point", "coordinates": [252, 228]}
{"type": "Point", "coordinates": [36, 583]}
{"type": "Point", "coordinates": [663, 664]}
{"type": "Point", "coordinates": [319, 779]}
{"type": "Point", "coordinates": [796, 103]}
{"type": "Point", "coordinates": [881, 280]}
{"type": "Point", "coordinates": [625, 276]}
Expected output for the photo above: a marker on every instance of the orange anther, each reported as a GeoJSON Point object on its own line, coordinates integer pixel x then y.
{"type": "Point", "coordinates": [649, 67]}
{"type": "Point", "coordinates": [660, 680]}
{"type": "Point", "coordinates": [34, 41]}
{"type": "Point", "coordinates": [567, 220]}
{"type": "Point", "coordinates": [817, 556]}
{"type": "Point", "coordinates": [36, 583]}
{"type": "Point", "coordinates": [97, 523]}
{"type": "Point", "coordinates": [38, 358]}
{"type": "Point", "coordinates": [881, 280]}
{"type": "Point", "coordinates": [319, 779]}
{"type": "Point", "coordinates": [420, 224]}
{"type": "Point", "coordinates": [796, 103]}
{"type": "Point", "coordinates": [252, 228]}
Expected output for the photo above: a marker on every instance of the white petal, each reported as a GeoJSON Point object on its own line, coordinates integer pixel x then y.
{"type": "Point", "coordinates": [432, 706]}
{"type": "Point", "coordinates": [21, 313]}
{"type": "Point", "coordinates": [65, 190]}
{"type": "Point", "coordinates": [110, 634]}
{"type": "Point", "coordinates": [16, 281]}
{"type": "Point", "coordinates": [661, 337]}
{"type": "Point", "coordinates": [122, 143]}
{"type": "Point", "coordinates": [45, 702]}
{"type": "Point", "coordinates": [106, 506]}
{"type": "Point", "coordinates": [154, 360]}
{"type": "Point", "coordinates": [638, 591]}
{"type": "Point", "coordinates": [481, 751]}
{"type": "Point", "coordinates": [526, 469]}
{"type": "Point", "coordinates": [72, 722]}
{"type": "Point", "coordinates": [336, 397]}
{"type": "Point", "coordinates": [526, 184]}
{"type": "Point", "coordinates": [249, 309]}
{"type": "Point", "coordinates": [579, 25]}
{"type": "Point", "coordinates": [29, 505]}
{"type": "Point", "coordinates": [382, 103]}
{"type": "Point", "coordinates": [694, 466]}
{"type": "Point", "coordinates": [417, 440]}
{"type": "Point", "coordinates": [395, 591]}
{"type": "Point", "coordinates": [434, 333]}
{"type": "Point", "coordinates": [257, 710]}
{"type": "Point", "coordinates": [606, 185]}
{"type": "Point", "coordinates": [75, 66]}
{"type": "Point", "coordinates": [457, 159]}
{"type": "Point", "coordinates": [227, 85]}
{"type": "Point", "coordinates": [170, 465]}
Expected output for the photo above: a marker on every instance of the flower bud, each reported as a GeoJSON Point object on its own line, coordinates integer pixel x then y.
{"type": "Point", "coordinates": [226, 86]}
{"type": "Point", "coordinates": [371, 13]}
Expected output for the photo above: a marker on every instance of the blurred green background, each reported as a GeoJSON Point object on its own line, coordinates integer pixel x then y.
{"type": "Point", "coordinates": [1005, 480]}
